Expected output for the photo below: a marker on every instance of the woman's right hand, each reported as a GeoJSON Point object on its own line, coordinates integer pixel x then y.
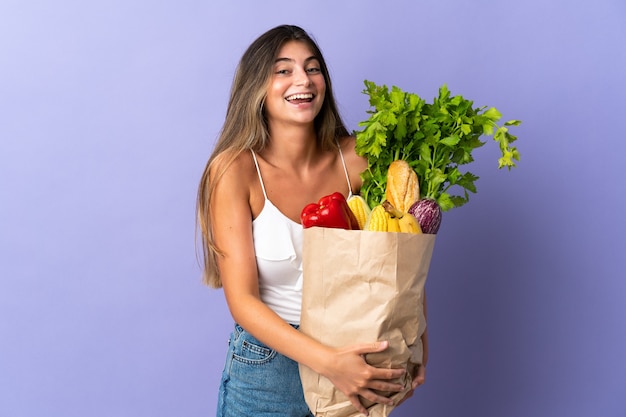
{"type": "Point", "coordinates": [353, 376]}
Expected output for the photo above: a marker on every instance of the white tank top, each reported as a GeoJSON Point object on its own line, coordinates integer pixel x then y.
{"type": "Point", "coordinates": [278, 248]}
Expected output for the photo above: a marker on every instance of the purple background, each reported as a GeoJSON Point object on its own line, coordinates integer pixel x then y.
{"type": "Point", "coordinates": [108, 111]}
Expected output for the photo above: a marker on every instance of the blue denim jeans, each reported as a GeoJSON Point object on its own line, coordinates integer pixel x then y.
{"type": "Point", "coordinates": [258, 381]}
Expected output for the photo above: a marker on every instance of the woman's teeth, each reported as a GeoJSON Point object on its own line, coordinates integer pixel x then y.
{"type": "Point", "coordinates": [300, 97]}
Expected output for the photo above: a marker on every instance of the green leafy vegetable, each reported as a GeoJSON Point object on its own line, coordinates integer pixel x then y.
{"type": "Point", "coordinates": [435, 139]}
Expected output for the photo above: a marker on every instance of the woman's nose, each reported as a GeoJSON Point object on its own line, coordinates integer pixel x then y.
{"type": "Point", "coordinates": [302, 77]}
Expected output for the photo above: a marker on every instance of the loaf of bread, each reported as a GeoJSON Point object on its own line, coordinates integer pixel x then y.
{"type": "Point", "coordinates": [402, 185]}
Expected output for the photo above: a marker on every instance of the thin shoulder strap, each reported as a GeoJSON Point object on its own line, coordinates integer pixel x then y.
{"type": "Point", "coordinates": [345, 169]}
{"type": "Point", "coordinates": [258, 170]}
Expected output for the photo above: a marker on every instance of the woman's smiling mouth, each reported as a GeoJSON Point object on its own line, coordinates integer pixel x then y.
{"type": "Point", "coordinates": [300, 98]}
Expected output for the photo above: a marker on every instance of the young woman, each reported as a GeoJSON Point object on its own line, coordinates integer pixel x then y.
{"type": "Point", "coordinates": [283, 145]}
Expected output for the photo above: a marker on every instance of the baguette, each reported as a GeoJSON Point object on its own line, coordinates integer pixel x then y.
{"type": "Point", "coordinates": [402, 185]}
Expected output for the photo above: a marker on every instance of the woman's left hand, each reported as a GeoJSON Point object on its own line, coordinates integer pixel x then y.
{"type": "Point", "coordinates": [419, 379]}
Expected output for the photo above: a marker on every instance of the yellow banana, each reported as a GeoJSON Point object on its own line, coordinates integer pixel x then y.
{"type": "Point", "coordinates": [407, 223]}
{"type": "Point", "coordinates": [393, 225]}
{"type": "Point", "coordinates": [386, 218]}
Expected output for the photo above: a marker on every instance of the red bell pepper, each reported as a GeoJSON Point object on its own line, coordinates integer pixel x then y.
{"type": "Point", "coordinates": [330, 211]}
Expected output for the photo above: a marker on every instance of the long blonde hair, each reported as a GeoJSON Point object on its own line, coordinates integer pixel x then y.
{"type": "Point", "coordinates": [245, 126]}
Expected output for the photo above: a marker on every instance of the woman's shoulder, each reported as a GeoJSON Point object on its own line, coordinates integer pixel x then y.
{"type": "Point", "coordinates": [233, 167]}
{"type": "Point", "coordinates": [233, 160]}
{"type": "Point", "coordinates": [348, 148]}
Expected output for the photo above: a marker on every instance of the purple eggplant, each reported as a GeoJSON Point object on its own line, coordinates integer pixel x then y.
{"type": "Point", "coordinates": [428, 215]}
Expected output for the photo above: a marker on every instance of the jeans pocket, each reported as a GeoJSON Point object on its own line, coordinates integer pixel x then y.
{"type": "Point", "coordinates": [251, 351]}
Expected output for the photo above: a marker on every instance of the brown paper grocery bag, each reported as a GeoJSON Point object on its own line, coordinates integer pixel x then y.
{"type": "Point", "coordinates": [362, 286]}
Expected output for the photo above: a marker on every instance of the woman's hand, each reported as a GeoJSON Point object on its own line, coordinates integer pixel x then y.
{"type": "Point", "coordinates": [419, 379]}
{"type": "Point", "coordinates": [353, 376]}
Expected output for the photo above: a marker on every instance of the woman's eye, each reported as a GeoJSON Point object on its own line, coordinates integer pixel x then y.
{"type": "Point", "coordinates": [282, 71]}
{"type": "Point", "coordinates": [313, 70]}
